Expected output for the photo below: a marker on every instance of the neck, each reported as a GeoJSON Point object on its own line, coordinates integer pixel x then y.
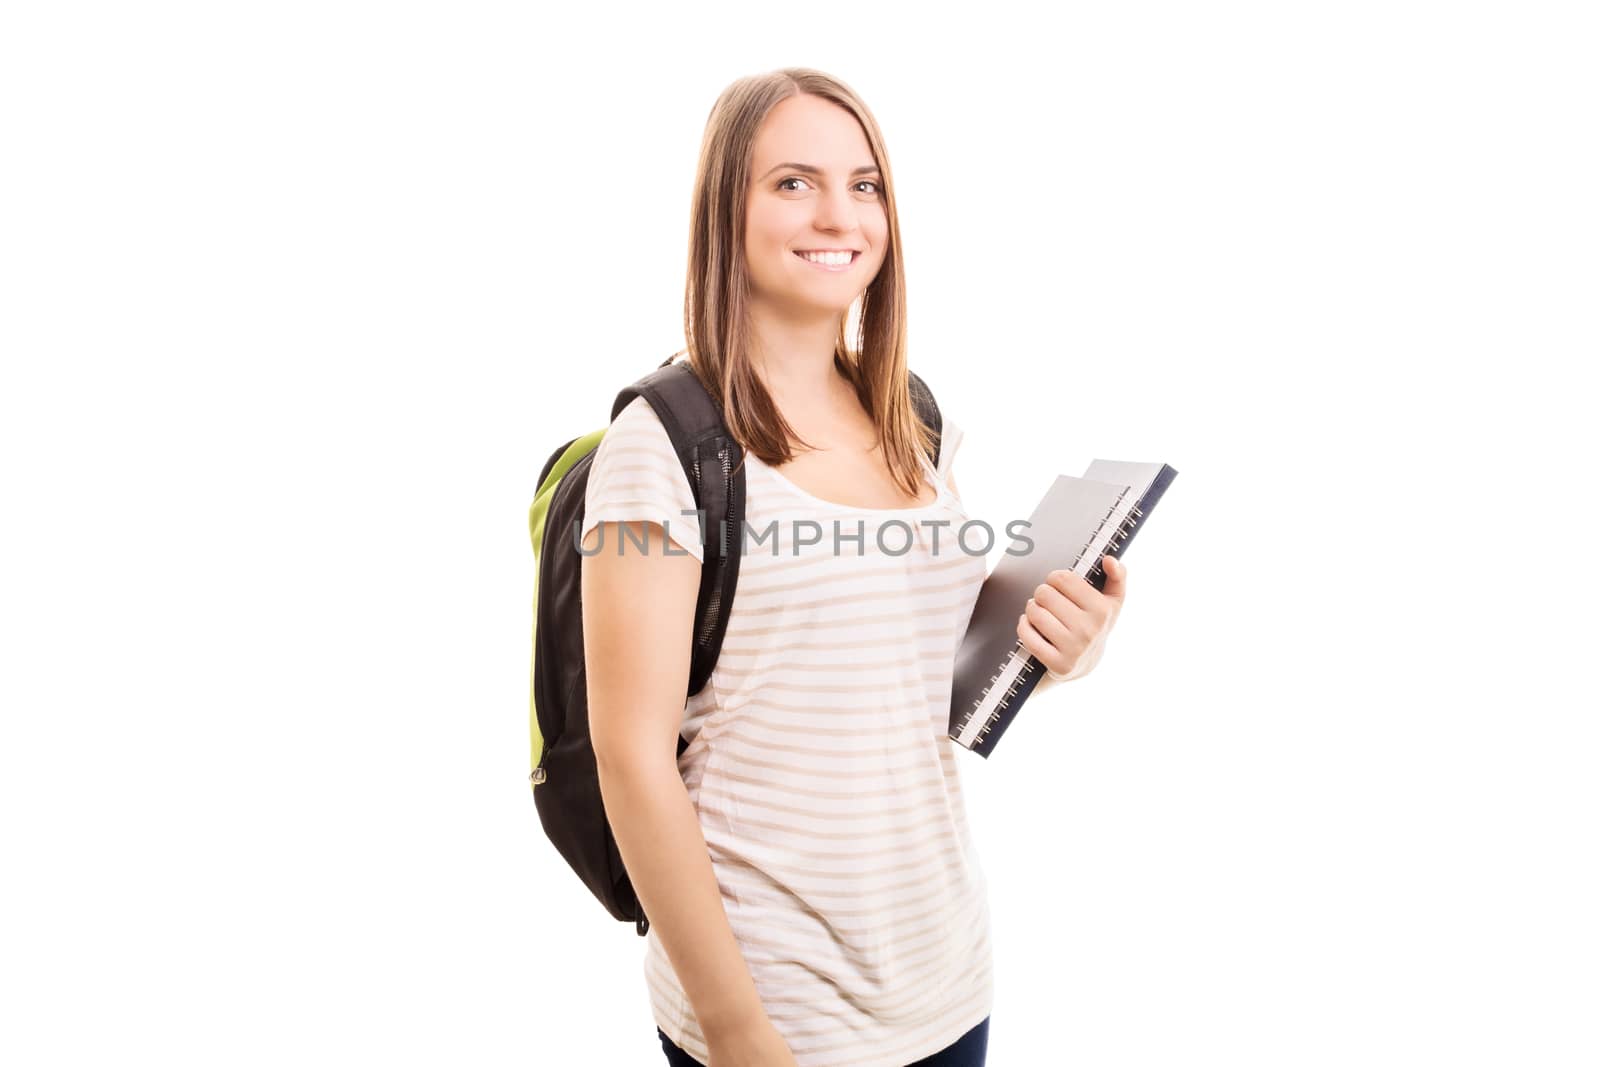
{"type": "Point", "coordinates": [795, 359]}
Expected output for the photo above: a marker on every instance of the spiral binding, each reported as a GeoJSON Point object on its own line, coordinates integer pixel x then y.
{"type": "Point", "coordinates": [1030, 665]}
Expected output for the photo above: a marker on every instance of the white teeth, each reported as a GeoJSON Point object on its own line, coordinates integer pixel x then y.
{"type": "Point", "coordinates": [829, 259]}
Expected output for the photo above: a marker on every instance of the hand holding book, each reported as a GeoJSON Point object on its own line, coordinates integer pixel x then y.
{"type": "Point", "coordinates": [1067, 579]}
{"type": "Point", "coordinates": [1065, 623]}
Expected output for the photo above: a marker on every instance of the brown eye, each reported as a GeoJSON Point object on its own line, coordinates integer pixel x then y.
{"type": "Point", "coordinates": [789, 179]}
{"type": "Point", "coordinates": [875, 190]}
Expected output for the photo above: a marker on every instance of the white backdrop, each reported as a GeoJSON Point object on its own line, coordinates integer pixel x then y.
{"type": "Point", "coordinates": [297, 299]}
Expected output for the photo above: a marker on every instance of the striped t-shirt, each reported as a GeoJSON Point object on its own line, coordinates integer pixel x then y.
{"type": "Point", "coordinates": [819, 763]}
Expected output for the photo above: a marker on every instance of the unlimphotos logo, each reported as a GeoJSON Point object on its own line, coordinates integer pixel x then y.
{"type": "Point", "coordinates": [894, 537]}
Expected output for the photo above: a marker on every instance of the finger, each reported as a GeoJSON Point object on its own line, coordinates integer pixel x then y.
{"type": "Point", "coordinates": [1053, 629]}
{"type": "Point", "coordinates": [1040, 649]}
{"type": "Point", "coordinates": [1056, 603]}
{"type": "Point", "coordinates": [1116, 578]}
{"type": "Point", "coordinates": [1075, 588]}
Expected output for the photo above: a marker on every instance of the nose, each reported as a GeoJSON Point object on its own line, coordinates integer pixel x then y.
{"type": "Point", "coordinates": [836, 212]}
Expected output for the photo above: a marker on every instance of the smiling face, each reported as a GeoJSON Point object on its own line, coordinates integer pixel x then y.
{"type": "Point", "coordinates": [814, 189]}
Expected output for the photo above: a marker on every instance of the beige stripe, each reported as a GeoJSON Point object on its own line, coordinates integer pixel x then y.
{"type": "Point", "coordinates": [931, 791]}
{"type": "Point", "coordinates": [797, 875]}
{"type": "Point", "coordinates": [773, 938]}
{"type": "Point", "coordinates": [823, 765]}
{"type": "Point", "coordinates": [761, 562]}
{"type": "Point", "coordinates": [635, 494]}
{"type": "Point", "coordinates": [845, 775]}
{"type": "Point", "coordinates": [917, 754]}
{"type": "Point", "coordinates": [746, 882]}
{"type": "Point", "coordinates": [663, 475]}
{"type": "Point", "coordinates": [926, 719]}
{"type": "Point", "coordinates": [905, 692]}
{"type": "Point", "coordinates": [911, 769]}
{"type": "Point", "coordinates": [864, 949]}
{"type": "Point", "coordinates": [907, 989]}
{"type": "Point", "coordinates": [862, 730]}
{"type": "Point", "coordinates": [657, 468]}
{"type": "Point", "coordinates": [770, 906]}
{"type": "Point", "coordinates": [812, 813]}
{"type": "Point", "coordinates": [834, 646]}
{"type": "Point", "coordinates": [613, 495]}
{"type": "Point", "coordinates": [887, 693]}
{"type": "Point", "coordinates": [846, 574]}
{"type": "Point", "coordinates": [786, 511]}
{"type": "Point", "coordinates": [907, 672]}
{"type": "Point", "coordinates": [937, 955]}
{"type": "Point", "coordinates": [880, 839]}
{"type": "Point", "coordinates": [898, 595]}
{"type": "Point", "coordinates": [889, 699]}
{"type": "Point", "coordinates": [911, 989]}
{"type": "Point", "coordinates": [791, 665]}
{"type": "Point", "coordinates": [916, 557]}
{"type": "Point", "coordinates": [641, 509]}
{"type": "Point", "coordinates": [914, 987]}
{"type": "Point", "coordinates": [681, 530]}
{"type": "Point", "coordinates": [831, 625]}
{"type": "Point", "coordinates": [949, 856]}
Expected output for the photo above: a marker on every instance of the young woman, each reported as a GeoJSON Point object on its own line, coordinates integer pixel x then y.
{"type": "Point", "coordinates": [814, 894]}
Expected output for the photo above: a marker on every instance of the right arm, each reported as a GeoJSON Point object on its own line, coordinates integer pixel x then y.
{"type": "Point", "coordinates": [638, 621]}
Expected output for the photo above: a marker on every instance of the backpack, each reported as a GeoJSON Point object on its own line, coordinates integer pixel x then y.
{"type": "Point", "coordinates": [566, 782]}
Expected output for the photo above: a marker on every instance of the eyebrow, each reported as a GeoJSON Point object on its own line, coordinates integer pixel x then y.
{"type": "Point", "coordinates": [806, 168]}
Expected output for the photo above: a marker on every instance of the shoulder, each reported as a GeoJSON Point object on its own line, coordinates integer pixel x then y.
{"type": "Point", "coordinates": [638, 421]}
{"type": "Point", "coordinates": [637, 440]}
{"type": "Point", "coordinates": [638, 434]}
{"type": "Point", "coordinates": [636, 476]}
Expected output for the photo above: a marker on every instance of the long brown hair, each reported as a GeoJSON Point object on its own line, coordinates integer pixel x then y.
{"type": "Point", "coordinates": [716, 297]}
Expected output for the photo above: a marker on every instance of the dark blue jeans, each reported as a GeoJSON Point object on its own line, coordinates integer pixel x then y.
{"type": "Point", "coordinates": [970, 1051]}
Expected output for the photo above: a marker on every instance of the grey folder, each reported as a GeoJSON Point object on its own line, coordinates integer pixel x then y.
{"type": "Point", "coordinates": [1078, 521]}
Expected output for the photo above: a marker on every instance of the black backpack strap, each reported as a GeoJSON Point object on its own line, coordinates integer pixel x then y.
{"type": "Point", "coordinates": [928, 410]}
{"type": "Point", "coordinates": [713, 461]}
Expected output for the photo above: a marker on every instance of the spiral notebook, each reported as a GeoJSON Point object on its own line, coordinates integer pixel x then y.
{"type": "Point", "coordinates": [1078, 521]}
